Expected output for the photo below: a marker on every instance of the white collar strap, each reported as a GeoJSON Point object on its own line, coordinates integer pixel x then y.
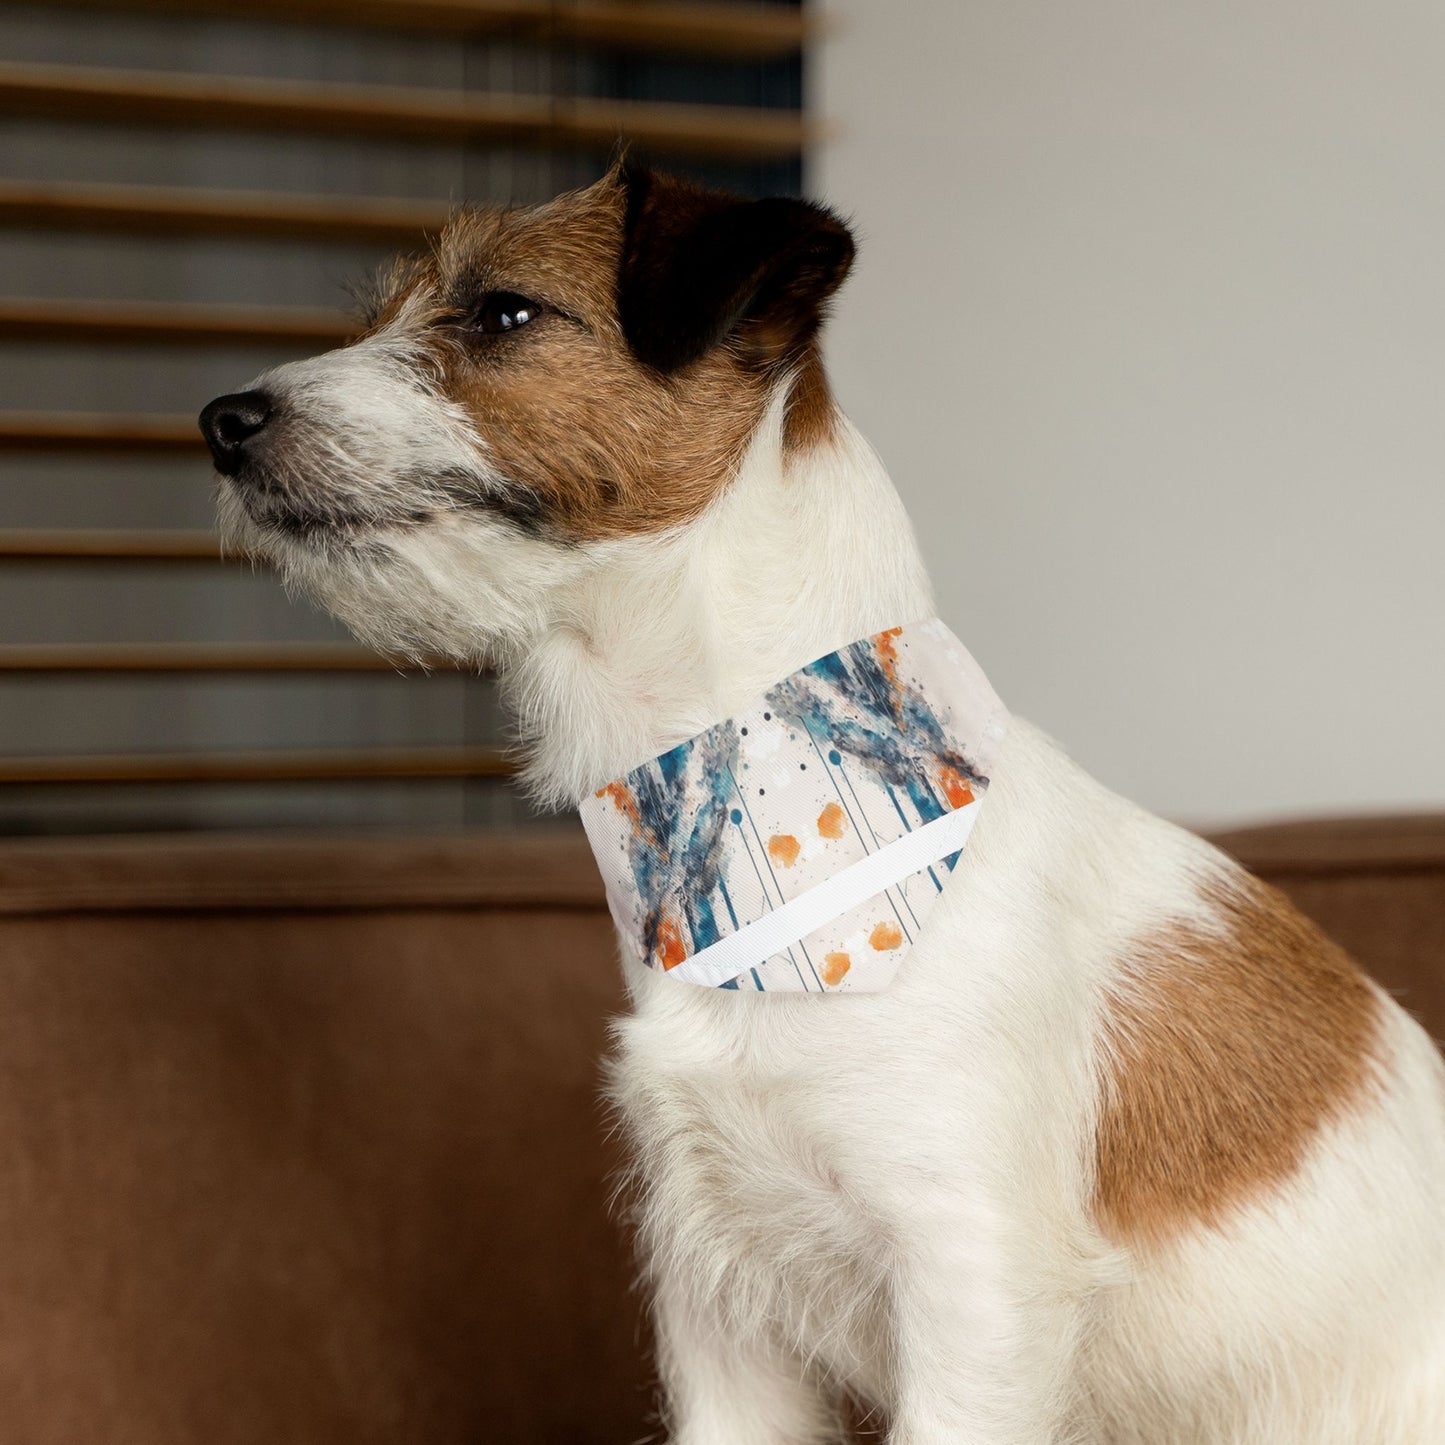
{"type": "Point", "coordinates": [800, 844]}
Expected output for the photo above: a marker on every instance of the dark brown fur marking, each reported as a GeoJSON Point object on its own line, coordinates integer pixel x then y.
{"type": "Point", "coordinates": [605, 443]}
{"type": "Point", "coordinates": [812, 415]}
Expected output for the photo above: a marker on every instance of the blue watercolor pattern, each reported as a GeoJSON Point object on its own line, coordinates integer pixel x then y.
{"type": "Point", "coordinates": [707, 851]}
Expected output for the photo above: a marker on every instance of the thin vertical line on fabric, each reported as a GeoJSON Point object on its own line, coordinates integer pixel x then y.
{"type": "Point", "coordinates": [777, 888]}
{"type": "Point", "coordinates": [828, 773]}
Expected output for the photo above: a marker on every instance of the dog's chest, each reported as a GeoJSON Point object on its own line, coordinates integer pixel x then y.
{"type": "Point", "coordinates": [755, 1178]}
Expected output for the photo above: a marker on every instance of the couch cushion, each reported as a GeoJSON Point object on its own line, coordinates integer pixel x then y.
{"type": "Point", "coordinates": [302, 1143]}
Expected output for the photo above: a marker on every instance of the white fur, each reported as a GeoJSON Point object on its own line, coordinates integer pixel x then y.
{"type": "Point", "coordinates": [889, 1193]}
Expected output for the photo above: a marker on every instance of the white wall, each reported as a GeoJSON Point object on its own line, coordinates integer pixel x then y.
{"type": "Point", "coordinates": [1149, 324]}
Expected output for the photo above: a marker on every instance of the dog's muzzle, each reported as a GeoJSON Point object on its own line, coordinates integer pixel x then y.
{"type": "Point", "coordinates": [230, 423]}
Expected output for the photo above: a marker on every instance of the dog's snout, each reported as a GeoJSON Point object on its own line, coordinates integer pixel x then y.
{"type": "Point", "coordinates": [229, 422]}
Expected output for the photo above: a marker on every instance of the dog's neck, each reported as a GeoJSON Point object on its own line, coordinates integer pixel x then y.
{"type": "Point", "coordinates": [803, 553]}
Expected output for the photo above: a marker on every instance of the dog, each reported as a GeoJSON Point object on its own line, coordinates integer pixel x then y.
{"type": "Point", "coordinates": [1127, 1153]}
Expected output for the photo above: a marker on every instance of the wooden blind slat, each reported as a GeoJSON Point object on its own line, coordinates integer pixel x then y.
{"type": "Point", "coordinates": [762, 32]}
{"type": "Point", "coordinates": [173, 211]}
{"type": "Point", "coordinates": [83, 544]}
{"type": "Point", "coordinates": [218, 102]}
{"type": "Point", "coordinates": [172, 323]}
{"type": "Point", "coordinates": [755, 32]}
{"type": "Point", "coordinates": [77, 431]}
{"type": "Point", "coordinates": [271, 766]}
{"type": "Point", "coordinates": [188, 657]}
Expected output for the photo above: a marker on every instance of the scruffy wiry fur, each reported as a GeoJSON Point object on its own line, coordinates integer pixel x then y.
{"type": "Point", "coordinates": [897, 1196]}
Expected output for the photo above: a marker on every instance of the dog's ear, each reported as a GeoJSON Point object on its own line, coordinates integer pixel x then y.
{"type": "Point", "coordinates": [700, 266]}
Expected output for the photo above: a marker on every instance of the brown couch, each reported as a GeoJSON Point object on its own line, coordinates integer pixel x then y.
{"type": "Point", "coordinates": [302, 1140]}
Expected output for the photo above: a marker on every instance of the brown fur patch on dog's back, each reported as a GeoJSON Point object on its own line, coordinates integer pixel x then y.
{"type": "Point", "coordinates": [1226, 1053]}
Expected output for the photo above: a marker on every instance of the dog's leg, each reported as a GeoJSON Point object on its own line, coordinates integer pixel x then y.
{"type": "Point", "coordinates": [720, 1389]}
{"type": "Point", "coordinates": [985, 1340]}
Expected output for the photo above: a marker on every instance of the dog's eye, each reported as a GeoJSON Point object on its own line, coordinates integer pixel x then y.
{"type": "Point", "coordinates": [504, 311]}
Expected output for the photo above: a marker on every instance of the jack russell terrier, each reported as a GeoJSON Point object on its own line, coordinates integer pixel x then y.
{"type": "Point", "coordinates": [1112, 1145]}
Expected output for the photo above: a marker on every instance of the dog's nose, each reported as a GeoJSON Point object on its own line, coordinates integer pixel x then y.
{"type": "Point", "coordinates": [229, 422]}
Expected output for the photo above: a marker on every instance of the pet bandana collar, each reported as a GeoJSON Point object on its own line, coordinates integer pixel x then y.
{"type": "Point", "coordinates": [800, 844]}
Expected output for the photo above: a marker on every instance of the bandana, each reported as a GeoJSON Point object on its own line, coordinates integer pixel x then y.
{"type": "Point", "coordinates": [800, 845]}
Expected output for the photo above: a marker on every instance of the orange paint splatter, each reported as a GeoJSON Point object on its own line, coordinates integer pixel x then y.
{"type": "Point", "coordinates": [621, 794]}
{"type": "Point", "coordinates": [958, 793]}
{"type": "Point", "coordinates": [832, 821]}
{"type": "Point", "coordinates": [670, 948]}
{"type": "Point", "coordinates": [835, 965]}
{"type": "Point", "coordinates": [783, 849]}
{"type": "Point", "coordinates": [885, 936]}
{"type": "Point", "coordinates": [888, 652]}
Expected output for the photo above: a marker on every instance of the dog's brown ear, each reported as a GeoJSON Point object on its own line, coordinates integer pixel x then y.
{"type": "Point", "coordinates": [699, 266]}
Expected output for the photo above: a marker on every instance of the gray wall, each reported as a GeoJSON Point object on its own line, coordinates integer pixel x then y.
{"type": "Point", "coordinates": [1149, 323]}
